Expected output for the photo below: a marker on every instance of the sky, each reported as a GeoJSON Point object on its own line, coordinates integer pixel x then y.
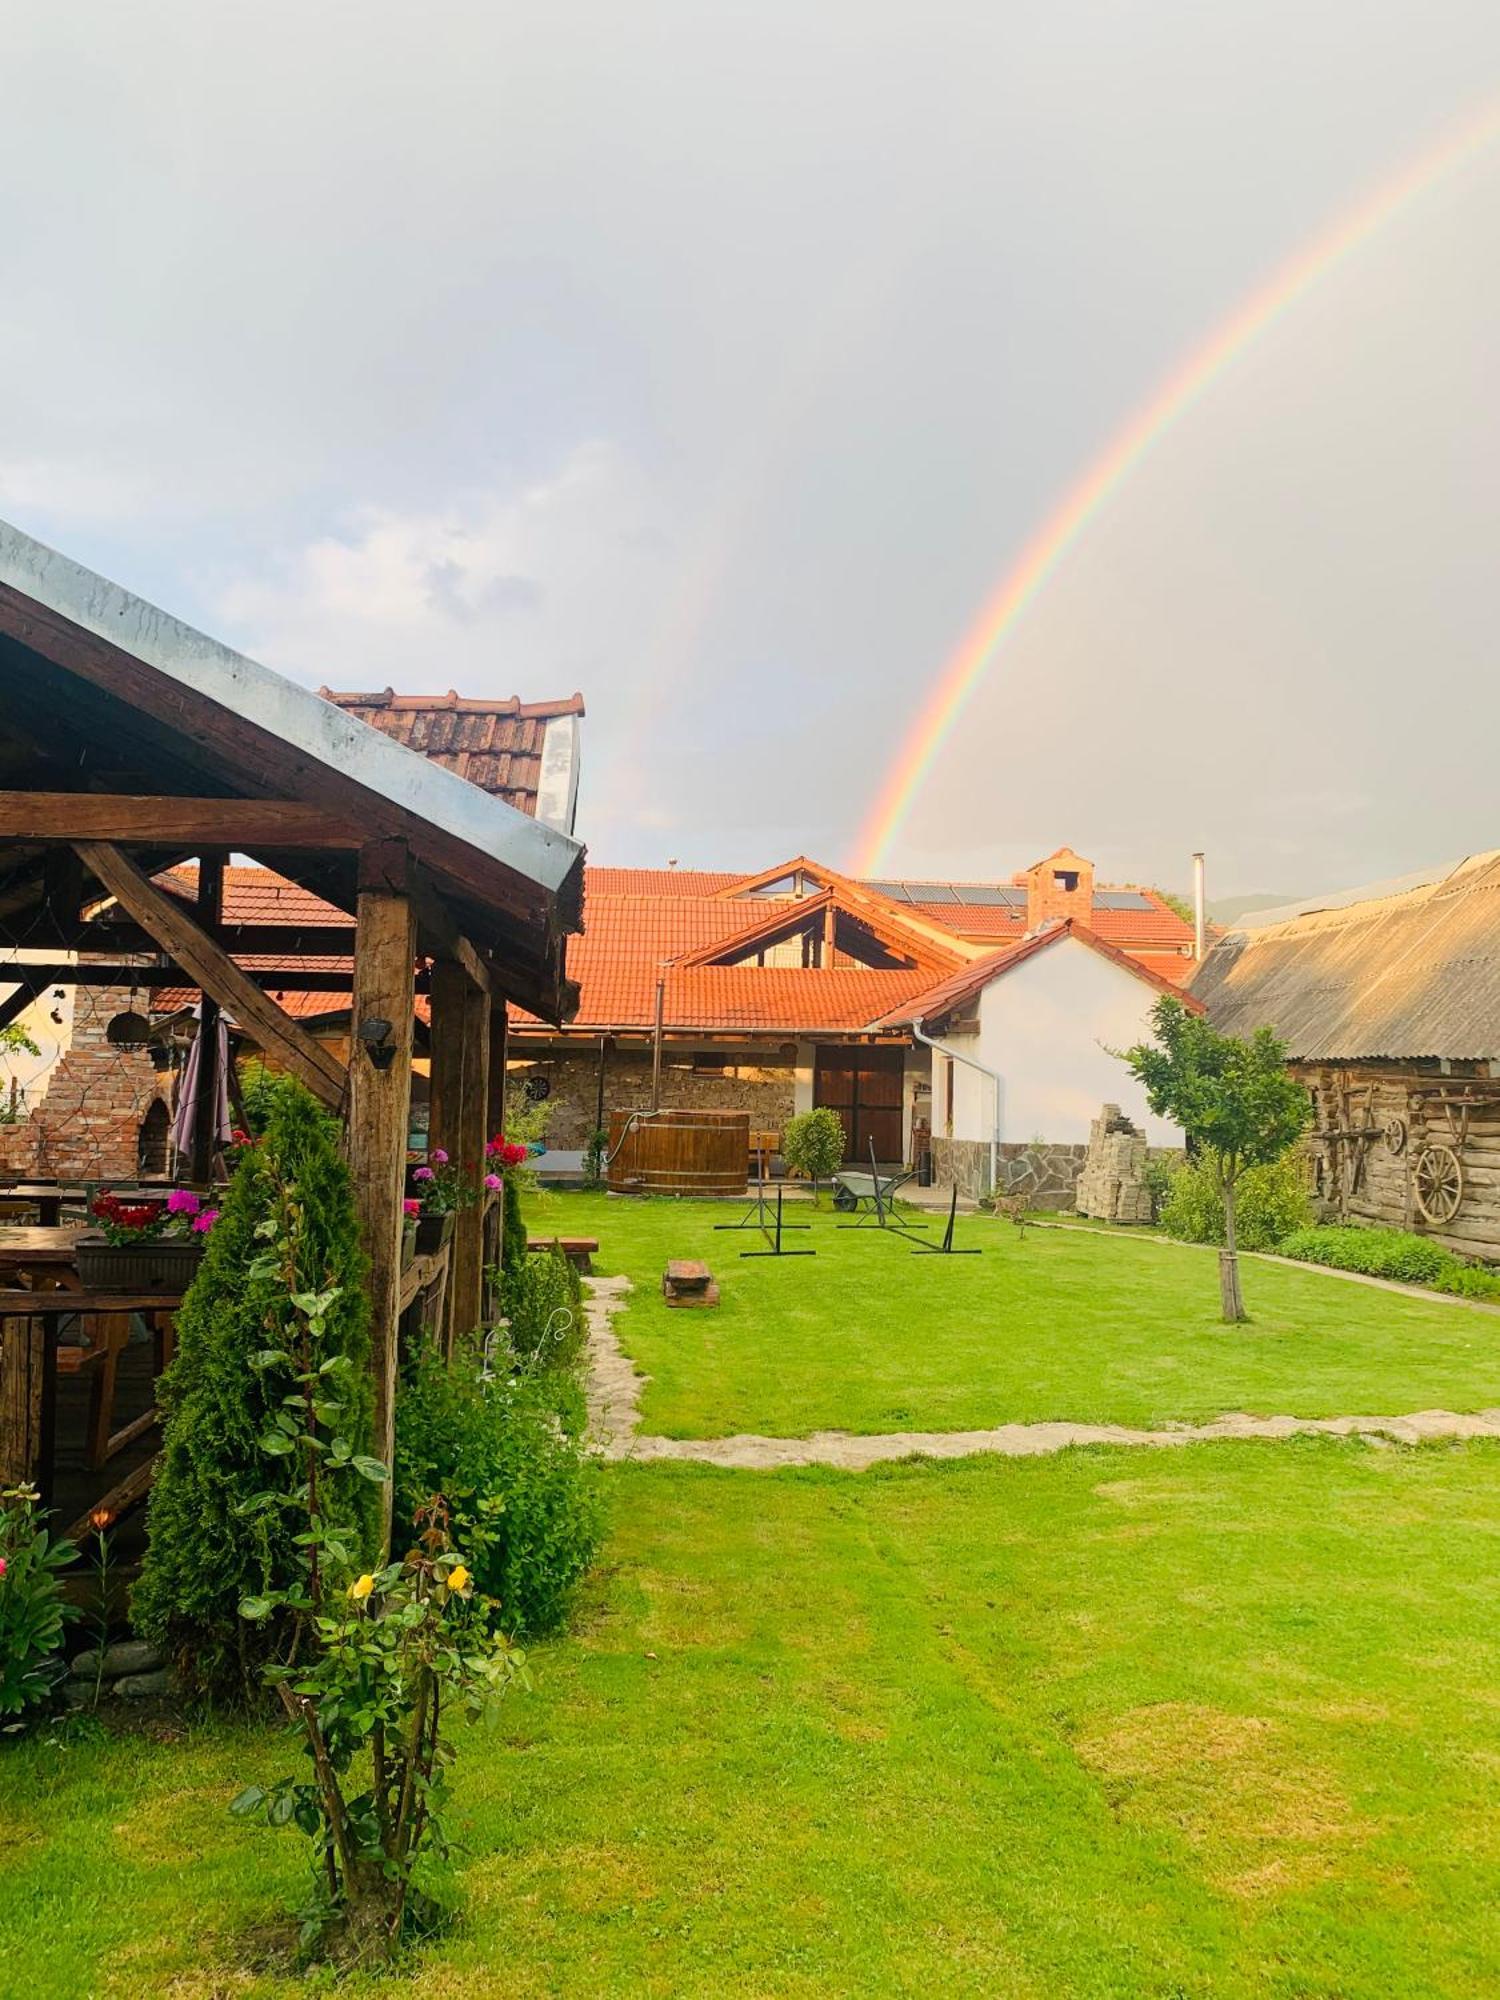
{"type": "Point", "coordinates": [717, 360]}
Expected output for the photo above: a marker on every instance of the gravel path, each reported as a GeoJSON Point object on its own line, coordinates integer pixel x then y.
{"type": "Point", "coordinates": [615, 1388]}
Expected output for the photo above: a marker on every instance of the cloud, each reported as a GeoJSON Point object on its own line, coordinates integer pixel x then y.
{"type": "Point", "coordinates": [521, 588]}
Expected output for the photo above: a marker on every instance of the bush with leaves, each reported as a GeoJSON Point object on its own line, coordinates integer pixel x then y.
{"type": "Point", "coordinates": [1272, 1203]}
{"type": "Point", "coordinates": [542, 1299]}
{"type": "Point", "coordinates": [506, 1452]}
{"type": "Point", "coordinates": [33, 1610]}
{"type": "Point", "coordinates": [595, 1157]}
{"type": "Point", "coordinates": [378, 1661]}
{"type": "Point", "coordinates": [203, 1554]}
{"type": "Point", "coordinates": [812, 1144]}
{"type": "Point", "coordinates": [1398, 1254]}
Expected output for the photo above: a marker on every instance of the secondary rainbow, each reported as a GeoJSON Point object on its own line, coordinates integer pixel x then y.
{"type": "Point", "coordinates": [1195, 376]}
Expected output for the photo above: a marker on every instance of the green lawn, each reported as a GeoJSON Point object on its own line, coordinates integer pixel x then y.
{"type": "Point", "coordinates": [1087, 1326]}
{"type": "Point", "coordinates": [1222, 1722]}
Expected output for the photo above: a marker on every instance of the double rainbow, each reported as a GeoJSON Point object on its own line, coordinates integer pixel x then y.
{"type": "Point", "coordinates": [1192, 380]}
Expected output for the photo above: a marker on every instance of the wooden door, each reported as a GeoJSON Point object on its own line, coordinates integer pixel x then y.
{"type": "Point", "coordinates": [863, 1085]}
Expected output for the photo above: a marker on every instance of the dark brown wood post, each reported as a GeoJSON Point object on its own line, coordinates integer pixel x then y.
{"type": "Point", "coordinates": [446, 1040]}
{"type": "Point", "coordinates": [206, 1105]}
{"type": "Point", "coordinates": [466, 1279]}
{"type": "Point", "coordinates": [495, 1122]}
{"type": "Point", "coordinates": [22, 1373]}
{"type": "Point", "coordinates": [385, 944]}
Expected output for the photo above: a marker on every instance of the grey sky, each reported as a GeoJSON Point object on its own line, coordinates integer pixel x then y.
{"type": "Point", "coordinates": [716, 360]}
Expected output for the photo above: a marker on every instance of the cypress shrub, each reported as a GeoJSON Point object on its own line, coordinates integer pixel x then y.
{"type": "Point", "coordinates": [203, 1555]}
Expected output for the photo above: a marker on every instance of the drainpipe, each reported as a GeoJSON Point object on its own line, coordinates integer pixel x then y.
{"type": "Point", "coordinates": [994, 1077]}
{"type": "Point", "coordinates": [661, 994]}
{"type": "Point", "coordinates": [1198, 920]}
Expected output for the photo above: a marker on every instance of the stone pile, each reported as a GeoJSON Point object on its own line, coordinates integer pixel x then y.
{"type": "Point", "coordinates": [1112, 1184]}
{"type": "Point", "coordinates": [131, 1669]}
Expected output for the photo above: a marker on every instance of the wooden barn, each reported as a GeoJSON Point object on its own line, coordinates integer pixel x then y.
{"type": "Point", "coordinates": [1389, 1003]}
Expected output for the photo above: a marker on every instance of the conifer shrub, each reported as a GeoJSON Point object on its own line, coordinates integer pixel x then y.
{"type": "Point", "coordinates": [205, 1552]}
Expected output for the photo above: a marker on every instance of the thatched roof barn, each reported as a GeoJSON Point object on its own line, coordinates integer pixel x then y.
{"type": "Point", "coordinates": [1389, 1003]}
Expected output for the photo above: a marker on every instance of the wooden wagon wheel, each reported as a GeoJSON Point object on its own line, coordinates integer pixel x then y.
{"type": "Point", "coordinates": [1394, 1135]}
{"type": "Point", "coordinates": [1438, 1183]}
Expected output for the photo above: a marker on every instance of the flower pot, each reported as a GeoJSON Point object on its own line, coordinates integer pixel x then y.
{"type": "Point", "coordinates": [167, 1266]}
{"type": "Point", "coordinates": [433, 1232]}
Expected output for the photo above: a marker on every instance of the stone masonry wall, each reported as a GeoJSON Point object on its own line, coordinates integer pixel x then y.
{"type": "Point", "coordinates": [765, 1091]}
{"type": "Point", "coordinates": [1048, 1173]}
{"type": "Point", "coordinates": [86, 1126]}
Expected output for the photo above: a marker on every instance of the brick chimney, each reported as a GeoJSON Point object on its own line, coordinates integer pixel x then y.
{"type": "Point", "coordinates": [1060, 887]}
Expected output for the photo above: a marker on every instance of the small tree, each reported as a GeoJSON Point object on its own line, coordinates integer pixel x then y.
{"type": "Point", "coordinates": [204, 1552]}
{"type": "Point", "coordinates": [813, 1144]}
{"type": "Point", "coordinates": [1233, 1099]}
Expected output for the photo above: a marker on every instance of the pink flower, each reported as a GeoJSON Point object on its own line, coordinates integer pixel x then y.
{"type": "Point", "coordinates": [423, 1174]}
{"type": "Point", "coordinates": [203, 1223]}
{"type": "Point", "coordinates": [182, 1201]}
{"type": "Point", "coordinates": [438, 1156]}
{"type": "Point", "coordinates": [2, 1566]}
{"type": "Point", "coordinates": [412, 1207]}
{"type": "Point", "coordinates": [493, 1182]}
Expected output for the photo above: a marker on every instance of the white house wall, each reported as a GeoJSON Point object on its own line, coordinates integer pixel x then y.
{"type": "Point", "coordinates": [1047, 1026]}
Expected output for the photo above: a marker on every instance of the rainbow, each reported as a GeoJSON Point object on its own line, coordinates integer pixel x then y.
{"type": "Point", "coordinates": [1039, 560]}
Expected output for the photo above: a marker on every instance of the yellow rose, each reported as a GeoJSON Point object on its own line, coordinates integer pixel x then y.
{"type": "Point", "coordinates": [360, 1589]}
{"type": "Point", "coordinates": [457, 1578]}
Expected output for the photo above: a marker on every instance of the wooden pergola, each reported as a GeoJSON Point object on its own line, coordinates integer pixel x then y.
{"type": "Point", "coordinates": [130, 743]}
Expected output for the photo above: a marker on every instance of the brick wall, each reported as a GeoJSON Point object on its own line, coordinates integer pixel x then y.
{"type": "Point", "coordinates": [86, 1124]}
{"type": "Point", "coordinates": [1047, 893]}
{"type": "Point", "coordinates": [766, 1091]}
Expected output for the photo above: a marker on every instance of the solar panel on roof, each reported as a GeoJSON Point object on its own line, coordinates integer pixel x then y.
{"type": "Point", "coordinates": [1122, 899]}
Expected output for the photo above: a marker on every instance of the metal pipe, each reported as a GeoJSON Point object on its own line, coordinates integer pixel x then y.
{"type": "Point", "coordinates": [661, 996]}
{"type": "Point", "coordinates": [1199, 926]}
{"type": "Point", "coordinates": [995, 1078]}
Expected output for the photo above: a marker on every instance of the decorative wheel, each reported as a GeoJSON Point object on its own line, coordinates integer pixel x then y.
{"type": "Point", "coordinates": [1438, 1183]}
{"type": "Point", "coordinates": [1394, 1135]}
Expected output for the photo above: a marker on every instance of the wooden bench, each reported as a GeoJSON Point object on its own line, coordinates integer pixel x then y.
{"type": "Point", "coordinates": [686, 1282]}
{"type": "Point", "coordinates": [579, 1250]}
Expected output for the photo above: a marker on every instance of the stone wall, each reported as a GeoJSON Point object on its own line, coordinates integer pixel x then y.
{"type": "Point", "coordinates": [764, 1090]}
{"type": "Point", "coordinates": [87, 1123]}
{"type": "Point", "coordinates": [1047, 1173]}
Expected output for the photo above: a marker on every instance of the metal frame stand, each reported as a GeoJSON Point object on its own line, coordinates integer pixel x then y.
{"type": "Point", "coordinates": [774, 1240]}
{"type": "Point", "coordinates": [945, 1248]}
{"type": "Point", "coordinates": [755, 1216]}
{"type": "Point", "coordinates": [882, 1210]}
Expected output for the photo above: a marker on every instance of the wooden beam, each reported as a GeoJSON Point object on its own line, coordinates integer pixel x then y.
{"type": "Point", "coordinates": [466, 1273]}
{"type": "Point", "coordinates": [447, 1041]}
{"type": "Point", "coordinates": [379, 1114]}
{"type": "Point", "coordinates": [206, 1096]}
{"type": "Point", "coordinates": [130, 819]}
{"type": "Point", "coordinates": [33, 979]}
{"type": "Point", "coordinates": [215, 972]}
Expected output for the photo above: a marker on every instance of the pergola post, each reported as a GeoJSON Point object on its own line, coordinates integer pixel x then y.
{"type": "Point", "coordinates": [385, 945]}
{"type": "Point", "coordinates": [466, 1273]}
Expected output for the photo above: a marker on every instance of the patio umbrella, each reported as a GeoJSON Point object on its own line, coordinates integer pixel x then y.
{"type": "Point", "coordinates": [186, 1121]}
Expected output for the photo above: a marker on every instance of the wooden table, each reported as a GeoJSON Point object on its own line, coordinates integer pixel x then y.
{"type": "Point", "coordinates": [47, 1251]}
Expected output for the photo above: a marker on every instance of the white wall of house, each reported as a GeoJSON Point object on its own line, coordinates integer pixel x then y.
{"type": "Point", "coordinates": [33, 1073]}
{"type": "Point", "coordinates": [1047, 1027]}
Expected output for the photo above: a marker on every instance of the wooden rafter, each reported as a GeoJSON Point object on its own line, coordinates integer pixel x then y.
{"type": "Point", "coordinates": [128, 817]}
{"type": "Point", "coordinates": [210, 967]}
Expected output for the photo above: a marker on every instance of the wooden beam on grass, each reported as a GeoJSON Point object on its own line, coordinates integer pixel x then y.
{"type": "Point", "coordinates": [129, 818]}
{"type": "Point", "coordinates": [211, 968]}
{"type": "Point", "coordinates": [380, 1111]}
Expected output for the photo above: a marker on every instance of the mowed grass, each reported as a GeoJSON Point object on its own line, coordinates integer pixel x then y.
{"type": "Point", "coordinates": [1219, 1722]}
{"type": "Point", "coordinates": [1080, 1325]}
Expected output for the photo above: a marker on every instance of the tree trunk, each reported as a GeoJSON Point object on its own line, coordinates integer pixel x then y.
{"type": "Point", "coordinates": [1231, 1298]}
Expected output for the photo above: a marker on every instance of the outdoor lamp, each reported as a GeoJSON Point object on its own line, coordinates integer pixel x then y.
{"type": "Point", "coordinates": [379, 1041]}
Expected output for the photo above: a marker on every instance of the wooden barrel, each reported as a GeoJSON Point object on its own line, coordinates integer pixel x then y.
{"type": "Point", "coordinates": [679, 1152]}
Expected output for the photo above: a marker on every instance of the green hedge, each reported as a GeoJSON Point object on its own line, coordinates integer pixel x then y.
{"type": "Point", "coordinates": [1396, 1254]}
{"type": "Point", "coordinates": [1271, 1202]}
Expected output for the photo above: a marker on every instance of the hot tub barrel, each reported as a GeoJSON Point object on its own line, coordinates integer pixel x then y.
{"type": "Point", "coordinates": [679, 1152]}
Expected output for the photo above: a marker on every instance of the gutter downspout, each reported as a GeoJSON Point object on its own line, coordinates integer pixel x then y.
{"type": "Point", "coordinates": [969, 1062]}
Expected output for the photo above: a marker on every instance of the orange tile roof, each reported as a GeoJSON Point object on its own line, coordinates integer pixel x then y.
{"type": "Point", "coordinates": [261, 896]}
{"type": "Point", "coordinates": [496, 745]}
{"type": "Point", "coordinates": [661, 881]}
